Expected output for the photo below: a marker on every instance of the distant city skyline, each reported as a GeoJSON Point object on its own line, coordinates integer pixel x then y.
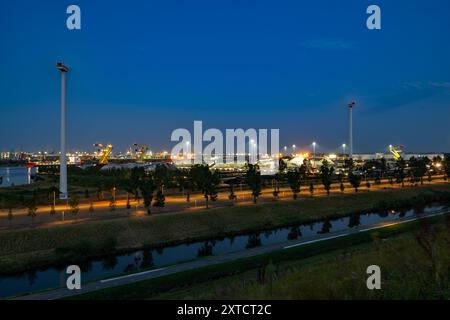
{"type": "Point", "coordinates": [141, 70]}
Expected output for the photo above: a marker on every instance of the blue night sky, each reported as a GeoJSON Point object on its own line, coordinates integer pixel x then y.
{"type": "Point", "coordinates": [140, 69]}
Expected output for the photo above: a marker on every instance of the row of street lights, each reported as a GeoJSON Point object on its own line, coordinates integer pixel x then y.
{"type": "Point", "coordinates": [314, 144]}
{"type": "Point", "coordinates": [351, 105]}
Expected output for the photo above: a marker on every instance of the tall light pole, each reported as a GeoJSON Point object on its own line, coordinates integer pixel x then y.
{"type": "Point", "coordinates": [343, 150]}
{"type": "Point", "coordinates": [62, 158]}
{"type": "Point", "coordinates": [350, 108]}
{"type": "Point", "coordinates": [293, 148]}
{"type": "Point", "coordinates": [314, 150]}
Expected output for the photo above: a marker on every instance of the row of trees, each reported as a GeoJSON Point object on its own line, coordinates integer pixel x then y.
{"type": "Point", "coordinates": [415, 169]}
{"type": "Point", "coordinates": [201, 178]}
{"type": "Point", "coordinates": [150, 186]}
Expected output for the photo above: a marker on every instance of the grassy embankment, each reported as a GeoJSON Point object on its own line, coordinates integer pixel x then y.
{"type": "Point", "coordinates": [16, 197]}
{"type": "Point", "coordinates": [333, 269]}
{"type": "Point", "coordinates": [24, 249]}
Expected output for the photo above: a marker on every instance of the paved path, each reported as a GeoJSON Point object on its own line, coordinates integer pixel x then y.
{"type": "Point", "coordinates": [212, 260]}
{"type": "Point", "coordinates": [175, 204]}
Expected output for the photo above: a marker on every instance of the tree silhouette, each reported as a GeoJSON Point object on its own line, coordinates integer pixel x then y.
{"type": "Point", "coordinates": [160, 199]}
{"type": "Point", "coordinates": [400, 167]}
{"type": "Point", "coordinates": [232, 196]}
{"type": "Point", "coordinates": [254, 240]}
{"type": "Point", "coordinates": [355, 180]}
{"type": "Point", "coordinates": [326, 227]}
{"type": "Point", "coordinates": [294, 233]}
{"type": "Point", "coordinates": [205, 250]}
{"type": "Point", "coordinates": [253, 176]}
{"type": "Point", "coordinates": [32, 208]}
{"type": "Point", "coordinates": [53, 192]}
{"type": "Point", "coordinates": [326, 175]}
{"type": "Point", "coordinates": [419, 168]}
{"type": "Point", "coordinates": [354, 220]}
{"type": "Point", "coordinates": [294, 178]}
{"type": "Point", "coordinates": [74, 204]}
{"type": "Point", "coordinates": [446, 164]}
{"type": "Point", "coordinates": [161, 176]}
{"type": "Point", "coordinates": [91, 207]}
{"type": "Point", "coordinates": [147, 187]}
{"type": "Point", "coordinates": [311, 188]}
{"type": "Point", "coordinates": [10, 216]}
{"type": "Point", "coordinates": [183, 180]}
{"type": "Point", "coordinates": [206, 181]}
{"type": "Point", "coordinates": [147, 259]}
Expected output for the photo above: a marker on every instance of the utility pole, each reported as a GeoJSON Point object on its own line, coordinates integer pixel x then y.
{"type": "Point", "coordinates": [63, 195]}
{"type": "Point", "coordinates": [350, 108]}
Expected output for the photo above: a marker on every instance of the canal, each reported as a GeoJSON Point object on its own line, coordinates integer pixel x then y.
{"type": "Point", "coordinates": [95, 269]}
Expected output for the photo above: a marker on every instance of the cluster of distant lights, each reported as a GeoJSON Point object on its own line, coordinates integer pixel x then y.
{"type": "Point", "coordinates": [190, 156]}
{"type": "Point", "coordinates": [313, 144]}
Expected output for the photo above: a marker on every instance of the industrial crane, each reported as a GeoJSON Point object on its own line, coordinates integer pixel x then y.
{"type": "Point", "coordinates": [140, 150]}
{"type": "Point", "coordinates": [103, 152]}
{"type": "Point", "coordinates": [396, 151]}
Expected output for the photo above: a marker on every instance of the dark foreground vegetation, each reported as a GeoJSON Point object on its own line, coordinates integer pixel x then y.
{"type": "Point", "coordinates": [414, 259]}
{"type": "Point", "coordinates": [25, 249]}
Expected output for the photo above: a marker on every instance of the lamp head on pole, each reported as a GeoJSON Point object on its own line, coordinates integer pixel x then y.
{"type": "Point", "coordinates": [62, 67]}
{"type": "Point", "coordinates": [351, 105]}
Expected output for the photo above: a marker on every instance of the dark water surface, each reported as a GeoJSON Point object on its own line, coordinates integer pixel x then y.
{"type": "Point", "coordinates": [16, 176]}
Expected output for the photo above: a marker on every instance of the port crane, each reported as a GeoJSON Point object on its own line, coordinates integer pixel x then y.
{"type": "Point", "coordinates": [140, 150]}
{"type": "Point", "coordinates": [396, 151]}
{"type": "Point", "coordinates": [103, 151]}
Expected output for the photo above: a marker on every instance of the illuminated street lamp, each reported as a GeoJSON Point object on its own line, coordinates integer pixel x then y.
{"type": "Point", "coordinates": [343, 149]}
{"type": "Point", "coordinates": [350, 108]}
{"type": "Point", "coordinates": [62, 158]}
{"type": "Point", "coordinates": [293, 148]}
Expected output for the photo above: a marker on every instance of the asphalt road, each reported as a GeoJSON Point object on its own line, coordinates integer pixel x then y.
{"type": "Point", "coordinates": [208, 261]}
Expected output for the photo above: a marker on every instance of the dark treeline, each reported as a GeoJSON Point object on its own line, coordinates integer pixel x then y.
{"type": "Point", "coordinates": [152, 186]}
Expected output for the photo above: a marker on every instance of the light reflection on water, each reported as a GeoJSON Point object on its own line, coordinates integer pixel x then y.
{"type": "Point", "coordinates": [16, 176]}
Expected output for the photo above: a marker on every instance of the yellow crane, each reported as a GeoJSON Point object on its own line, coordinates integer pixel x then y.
{"type": "Point", "coordinates": [103, 152]}
{"type": "Point", "coordinates": [140, 150]}
{"type": "Point", "coordinates": [396, 151]}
